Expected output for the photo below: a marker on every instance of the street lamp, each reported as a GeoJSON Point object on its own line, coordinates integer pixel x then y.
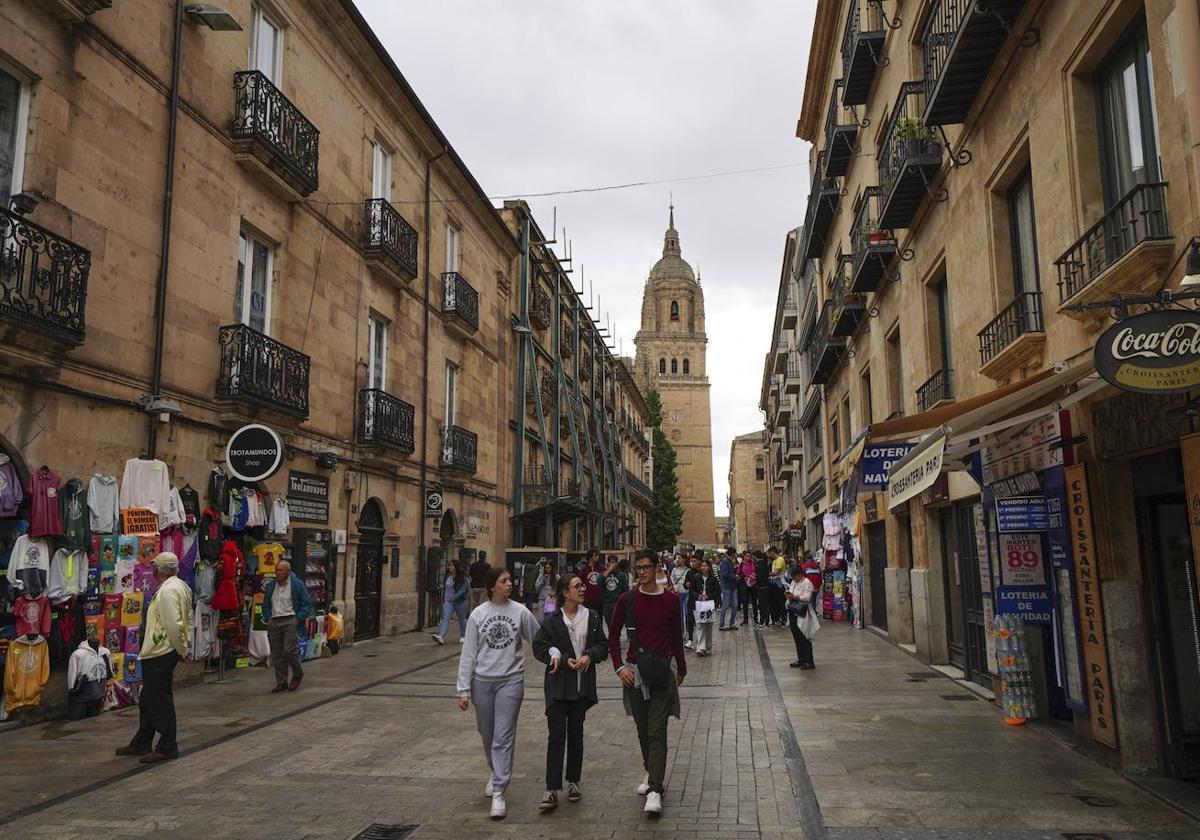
{"type": "Point", "coordinates": [1191, 274]}
{"type": "Point", "coordinates": [214, 17]}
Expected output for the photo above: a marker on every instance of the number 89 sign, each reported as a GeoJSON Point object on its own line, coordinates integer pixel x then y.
{"type": "Point", "coordinates": [1021, 561]}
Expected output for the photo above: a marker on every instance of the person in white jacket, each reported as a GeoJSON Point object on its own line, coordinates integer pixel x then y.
{"type": "Point", "coordinates": [491, 672]}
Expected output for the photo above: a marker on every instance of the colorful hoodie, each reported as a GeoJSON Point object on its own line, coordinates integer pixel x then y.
{"type": "Point", "coordinates": [25, 673]}
{"type": "Point", "coordinates": [76, 519]}
{"type": "Point", "coordinates": [232, 566]}
{"type": "Point", "coordinates": [10, 489]}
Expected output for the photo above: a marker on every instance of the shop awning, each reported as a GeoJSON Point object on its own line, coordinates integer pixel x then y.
{"type": "Point", "coordinates": [948, 431]}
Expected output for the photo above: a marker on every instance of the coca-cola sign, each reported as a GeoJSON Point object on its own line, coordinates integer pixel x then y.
{"type": "Point", "coordinates": [1152, 353]}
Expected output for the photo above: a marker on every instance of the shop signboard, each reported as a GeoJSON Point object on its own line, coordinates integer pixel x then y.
{"type": "Point", "coordinates": [877, 460]}
{"type": "Point", "coordinates": [1022, 514]}
{"type": "Point", "coordinates": [433, 504]}
{"type": "Point", "coordinates": [1037, 447]}
{"type": "Point", "coordinates": [254, 453]}
{"type": "Point", "coordinates": [308, 497]}
{"type": "Point", "coordinates": [1155, 352]}
{"type": "Point", "coordinates": [1021, 561]}
{"type": "Point", "coordinates": [1097, 677]}
{"type": "Point", "coordinates": [1032, 603]}
{"type": "Point", "coordinates": [916, 471]}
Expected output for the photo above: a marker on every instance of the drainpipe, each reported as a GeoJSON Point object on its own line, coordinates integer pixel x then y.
{"type": "Point", "coordinates": [160, 296]}
{"type": "Point", "coordinates": [425, 401]}
{"type": "Point", "coordinates": [1189, 58]}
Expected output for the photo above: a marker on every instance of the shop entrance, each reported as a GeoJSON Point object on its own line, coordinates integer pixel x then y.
{"type": "Point", "coordinates": [966, 633]}
{"type": "Point", "coordinates": [876, 566]}
{"type": "Point", "coordinates": [1173, 606]}
{"type": "Point", "coordinates": [368, 578]}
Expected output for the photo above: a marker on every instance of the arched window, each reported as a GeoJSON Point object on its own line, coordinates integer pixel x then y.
{"type": "Point", "coordinates": [687, 367]}
{"type": "Point", "coordinates": [662, 365]}
{"type": "Point", "coordinates": [674, 310]}
{"type": "Point", "coordinates": [674, 366]}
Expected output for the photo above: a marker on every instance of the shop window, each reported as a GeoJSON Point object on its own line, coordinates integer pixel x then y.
{"type": "Point", "coordinates": [252, 298]}
{"type": "Point", "coordinates": [266, 46]}
{"type": "Point", "coordinates": [674, 310]}
{"type": "Point", "coordinates": [377, 341]}
{"type": "Point", "coordinates": [14, 114]}
{"type": "Point", "coordinates": [381, 172]}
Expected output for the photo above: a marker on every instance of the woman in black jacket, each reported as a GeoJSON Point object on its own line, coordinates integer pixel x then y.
{"type": "Point", "coordinates": [570, 642]}
{"type": "Point", "coordinates": [705, 586]}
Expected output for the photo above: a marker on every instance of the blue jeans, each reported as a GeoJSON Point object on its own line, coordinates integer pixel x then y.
{"type": "Point", "coordinates": [729, 604]}
{"type": "Point", "coordinates": [460, 610]}
{"type": "Point", "coordinates": [684, 597]}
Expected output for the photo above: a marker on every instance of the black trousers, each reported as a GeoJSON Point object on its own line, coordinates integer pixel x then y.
{"type": "Point", "coordinates": [762, 604]}
{"type": "Point", "coordinates": [691, 617]}
{"type": "Point", "coordinates": [156, 705]}
{"type": "Point", "coordinates": [565, 720]}
{"type": "Point", "coordinates": [777, 603]}
{"type": "Point", "coordinates": [804, 652]}
{"type": "Point", "coordinates": [744, 600]}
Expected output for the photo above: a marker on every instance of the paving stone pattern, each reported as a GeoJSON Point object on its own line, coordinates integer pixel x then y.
{"type": "Point", "coordinates": [374, 735]}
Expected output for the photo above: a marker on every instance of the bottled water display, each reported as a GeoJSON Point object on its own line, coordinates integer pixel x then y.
{"type": "Point", "coordinates": [1019, 701]}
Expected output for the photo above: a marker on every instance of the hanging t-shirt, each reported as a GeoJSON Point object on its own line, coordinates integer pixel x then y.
{"type": "Point", "coordinates": [191, 505]}
{"type": "Point", "coordinates": [131, 609]}
{"type": "Point", "coordinates": [281, 518]}
{"type": "Point", "coordinates": [146, 484]}
{"type": "Point", "coordinates": [187, 559]}
{"type": "Point", "coordinates": [203, 581]}
{"type": "Point", "coordinates": [125, 574]}
{"type": "Point", "coordinates": [204, 631]}
{"type": "Point", "coordinates": [32, 616]}
{"type": "Point", "coordinates": [144, 580]}
{"type": "Point", "coordinates": [29, 565]}
{"type": "Point", "coordinates": [112, 610]}
{"type": "Point", "coordinates": [103, 506]}
{"type": "Point", "coordinates": [267, 555]}
{"type": "Point", "coordinates": [42, 488]}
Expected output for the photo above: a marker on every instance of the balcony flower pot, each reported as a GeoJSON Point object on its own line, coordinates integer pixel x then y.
{"type": "Point", "coordinates": [932, 147]}
{"type": "Point", "coordinates": [878, 237]}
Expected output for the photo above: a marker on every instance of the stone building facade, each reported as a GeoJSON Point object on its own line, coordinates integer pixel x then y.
{"type": "Point", "coordinates": [984, 186]}
{"type": "Point", "coordinates": [671, 359]}
{"type": "Point", "coordinates": [749, 492]}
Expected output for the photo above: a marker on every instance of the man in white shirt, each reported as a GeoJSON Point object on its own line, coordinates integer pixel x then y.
{"type": "Point", "coordinates": [285, 607]}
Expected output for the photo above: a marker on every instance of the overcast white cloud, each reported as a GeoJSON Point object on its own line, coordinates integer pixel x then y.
{"type": "Point", "coordinates": [540, 95]}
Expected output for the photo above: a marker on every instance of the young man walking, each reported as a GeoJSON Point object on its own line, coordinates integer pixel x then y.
{"type": "Point", "coordinates": [652, 669]}
{"type": "Point", "coordinates": [590, 573]}
{"type": "Point", "coordinates": [728, 574]}
{"type": "Point", "coordinates": [614, 583]}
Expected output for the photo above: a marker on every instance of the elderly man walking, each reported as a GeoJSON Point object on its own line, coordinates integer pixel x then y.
{"type": "Point", "coordinates": [285, 607]}
{"type": "Point", "coordinates": [166, 631]}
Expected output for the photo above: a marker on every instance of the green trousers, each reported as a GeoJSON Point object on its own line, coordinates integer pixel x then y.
{"type": "Point", "coordinates": [651, 718]}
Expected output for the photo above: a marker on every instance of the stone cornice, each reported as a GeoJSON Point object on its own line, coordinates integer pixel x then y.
{"type": "Point", "coordinates": [816, 81]}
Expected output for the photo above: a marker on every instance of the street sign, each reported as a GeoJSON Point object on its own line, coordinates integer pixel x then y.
{"type": "Point", "coordinates": [254, 453]}
{"type": "Point", "coordinates": [433, 504]}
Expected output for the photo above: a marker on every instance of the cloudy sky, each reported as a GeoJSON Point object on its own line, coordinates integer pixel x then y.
{"type": "Point", "coordinates": [543, 95]}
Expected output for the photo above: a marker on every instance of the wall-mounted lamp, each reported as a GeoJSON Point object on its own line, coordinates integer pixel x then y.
{"type": "Point", "coordinates": [214, 17]}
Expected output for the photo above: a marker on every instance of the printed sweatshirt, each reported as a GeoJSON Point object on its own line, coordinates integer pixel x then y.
{"type": "Point", "coordinates": [104, 513]}
{"type": "Point", "coordinates": [493, 648]}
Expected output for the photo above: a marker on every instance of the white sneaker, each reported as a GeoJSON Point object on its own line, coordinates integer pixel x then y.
{"type": "Point", "coordinates": [439, 639]}
{"type": "Point", "coordinates": [488, 790]}
{"type": "Point", "coordinates": [653, 803]}
{"type": "Point", "coordinates": [462, 641]}
{"type": "Point", "coordinates": [688, 644]}
{"type": "Point", "coordinates": [499, 809]}
{"type": "Point", "coordinates": [644, 787]}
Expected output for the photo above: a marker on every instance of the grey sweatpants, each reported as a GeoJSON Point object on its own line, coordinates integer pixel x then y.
{"type": "Point", "coordinates": [283, 633]}
{"type": "Point", "coordinates": [497, 706]}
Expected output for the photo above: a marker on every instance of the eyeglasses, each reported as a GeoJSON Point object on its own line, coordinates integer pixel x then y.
{"type": "Point", "coordinates": [580, 585]}
{"type": "Point", "coordinates": [643, 568]}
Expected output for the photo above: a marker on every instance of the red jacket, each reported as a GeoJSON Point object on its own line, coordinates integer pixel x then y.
{"type": "Point", "coordinates": [233, 566]}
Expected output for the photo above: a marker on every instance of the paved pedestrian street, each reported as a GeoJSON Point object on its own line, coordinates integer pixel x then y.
{"type": "Point", "coordinates": [857, 748]}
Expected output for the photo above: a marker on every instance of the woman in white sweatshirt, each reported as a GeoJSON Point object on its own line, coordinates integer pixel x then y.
{"type": "Point", "coordinates": [491, 672]}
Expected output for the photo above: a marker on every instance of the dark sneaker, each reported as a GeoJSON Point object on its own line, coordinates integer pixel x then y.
{"type": "Point", "coordinates": [549, 801]}
{"type": "Point", "coordinates": [155, 757]}
{"type": "Point", "coordinates": [279, 688]}
{"type": "Point", "coordinates": [294, 684]}
{"type": "Point", "coordinates": [129, 750]}
{"type": "Point", "coordinates": [574, 794]}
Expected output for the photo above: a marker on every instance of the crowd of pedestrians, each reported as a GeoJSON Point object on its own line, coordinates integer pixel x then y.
{"type": "Point", "coordinates": [571, 621]}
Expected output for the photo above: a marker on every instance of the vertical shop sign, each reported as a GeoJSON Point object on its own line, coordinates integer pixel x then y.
{"type": "Point", "coordinates": [1091, 611]}
{"type": "Point", "coordinates": [1190, 445]}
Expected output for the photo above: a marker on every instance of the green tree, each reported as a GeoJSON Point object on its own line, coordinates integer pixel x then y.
{"type": "Point", "coordinates": [665, 522]}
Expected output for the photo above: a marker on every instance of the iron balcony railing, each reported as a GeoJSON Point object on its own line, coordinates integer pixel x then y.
{"type": "Point", "coordinates": [1021, 317]}
{"type": "Point", "coordinates": [257, 367]}
{"type": "Point", "coordinates": [945, 19]}
{"type": "Point", "coordinates": [43, 279]}
{"type": "Point", "coordinates": [841, 134]}
{"type": "Point", "coordinates": [460, 299]}
{"type": "Point", "coordinates": [793, 435]}
{"type": "Point", "coordinates": [935, 389]}
{"type": "Point", "coordinates": [861, 43]}
{"type": "Point", "coordinates": [264, 114]}
{"type": "Point", "coordinates": [460, 449]}
{"type": "Point", "coordinates": [391, 235]}
{"type": "Point", "coordinates": [905, 136]}
{"type": "Point", "coordinates": [539, 309]}
{"type": "Point", "coordinates": [385, 420]}
{"type": "Point", "coordinates": [795, 366]}
{"type": "Point", "coordinates": [566, 340]}
{"type": "Point", "coordinates": [638, 486]}
{"type": "Point", "coordinates": [824, 194]}
{"type": "Point", "coordinates": [1140, 216]}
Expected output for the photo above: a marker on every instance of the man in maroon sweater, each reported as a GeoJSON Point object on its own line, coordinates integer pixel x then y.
{"type": "Point", "coordinates": [659, 631]}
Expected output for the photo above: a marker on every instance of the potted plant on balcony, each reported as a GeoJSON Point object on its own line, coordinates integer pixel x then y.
{"type": "Point", "coordinates": [909, 130]}
{"type": "Point", "coordinates": [930, 144]}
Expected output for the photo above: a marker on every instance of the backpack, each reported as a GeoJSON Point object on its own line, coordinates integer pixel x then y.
{"type": "Point", "coordinates": [654, 669]}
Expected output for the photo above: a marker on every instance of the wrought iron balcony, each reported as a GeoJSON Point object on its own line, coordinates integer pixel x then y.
{"type": "Point", "coordinates": [566, 340]}
{"type": "Point", "coordinates": [1020, 318]}
{"type": "Point", "coordinates": [779, 358]}
{"type": "Point", "coordinates": [849, 309]}
{"type": "Point", "coordinates": [1140, 217]}
{"type": "Point", "coordinates": [791, 311]}
{"type": "Point", "coordinates": [862, 50]}
{"type": "Point", "coordinates": [43, 283]}
{"type": "Point", "coordinates": [959, 47]}
{"type": "Point", "coordinates": [823, 198]}
{"type": "Point", "coordinates": [539, 309]}
{"type": "Point", "coordinates": [872, 248]}
{"type": "Point", "coordinates": [841, 134]}
{"type": "Point", "coordinates": [585, 365]}
{"type": "Point", "coordinates": [460, 449]}
{"type": "Point", "coordinates": [548, 388]}
{"type": "Point", "coordinates": [793, 377]}
{"type": "Point", "coordinates": [825, 351]}
{"type": "Point", "coordinates": [936, 389]}
{"type": "Point", "coordinates": [271, 134]}
{"type": "Point", "coordinates": [639, 487]}
{"type": "Point", "coordinates": [259, 369]}
{"type": "Point", "coordinates": [908, 159]}
{"type": "Point", "coordinates": [385, 420]}
{"type": "Point", "coordinates": [537, 486]}
{"type": "Point", "coordinates": [460, 303]}
{"type": "Point", "coordinates": [390, 242]}
{"type": "Point", "coordinates": [793, 439]}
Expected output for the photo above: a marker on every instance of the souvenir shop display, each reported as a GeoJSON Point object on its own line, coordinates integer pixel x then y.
{"type": "Point", "coordinates": [88, 673]}
{"type": "Point", "coordinates": [313, 552]}
{"type": "Point", "coordinates": [1018, 699]}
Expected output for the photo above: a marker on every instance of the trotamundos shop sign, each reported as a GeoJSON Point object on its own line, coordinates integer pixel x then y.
{"type": "Point", "coordinates": [1153, 353]}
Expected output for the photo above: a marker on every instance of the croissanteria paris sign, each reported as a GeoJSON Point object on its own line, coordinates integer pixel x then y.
{"type": "Point", "coordinates": [1152, 353]}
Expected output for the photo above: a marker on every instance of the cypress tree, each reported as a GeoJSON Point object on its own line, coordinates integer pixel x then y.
{"type": "Point", "coordinates": [665, 522]}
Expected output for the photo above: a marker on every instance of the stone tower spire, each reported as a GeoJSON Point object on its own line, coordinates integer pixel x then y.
{"type": "Point", "coordinates": [671, 238]}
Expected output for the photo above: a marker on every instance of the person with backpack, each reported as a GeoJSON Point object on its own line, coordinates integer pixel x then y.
{"type": "Point", "coordinates": [651, 670]}
{"type": "Point", "coordinates": [727, 572]}
{"type": "Point", "coordinates": [762, 590]}
{"type": "Point", "coordinates": [802, 618]}
{"type": "Point", "coordinates": [614, 584]}
{"type": "Point", "coordinates": [456, 595]}
{"type": "Point", "coordinates": [570, 643]}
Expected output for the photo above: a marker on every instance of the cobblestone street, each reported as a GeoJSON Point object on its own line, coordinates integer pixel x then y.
{"type": "Point", "coordinates": [374, 736]}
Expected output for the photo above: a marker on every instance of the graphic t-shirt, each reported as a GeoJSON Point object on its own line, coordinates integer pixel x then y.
{"type": "Point", "coordinates": [26, 669]}
{"type": "Point", "coordinates": [32, 616]}
{"type": "Point", "coordinates": [267, 554]}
